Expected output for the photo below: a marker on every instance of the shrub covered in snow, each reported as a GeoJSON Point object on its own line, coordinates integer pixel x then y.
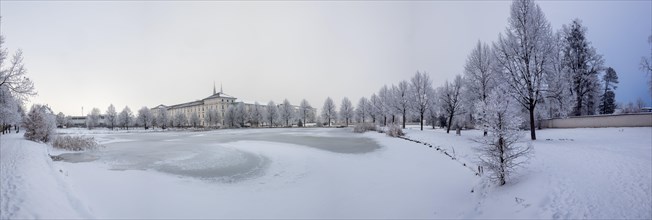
{"type": "Point", "coordinates": [500, 151]}
{"type": "Point", "coordinates": [39, 123]}
{"type": "Point", "coordinates": [75, 143]}
{"type": "Point", "coordinates": [364, 127]}
{"type": "Point", "coordinates": [394, 130]}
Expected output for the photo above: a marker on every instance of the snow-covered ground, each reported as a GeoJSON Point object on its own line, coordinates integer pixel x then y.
{"type": "Point", "coordinates": [325, 173]}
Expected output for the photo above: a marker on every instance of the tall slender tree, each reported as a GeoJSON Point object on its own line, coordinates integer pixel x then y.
{"type": "Point", "coordinates": [328, 112]}
{"type": "Point", "coordinates": [582, 62]}
{"type": "Point", "coordinates": [346, 110]}
{"type": "Point", "coordinates": [608, 98]}
{"type": "Point", "coordinates": [450, 99]}
{"type": "Point", "coordinates": [420, 97]}
{"type": "Point", "coordinates": [523, 53]}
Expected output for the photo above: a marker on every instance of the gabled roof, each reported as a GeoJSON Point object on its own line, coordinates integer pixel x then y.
{"type": "Point", "coordinates": [219, 95]}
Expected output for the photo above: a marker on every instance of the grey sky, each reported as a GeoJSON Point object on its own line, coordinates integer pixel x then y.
{"type": "Point", "coordinates": [146, 53]}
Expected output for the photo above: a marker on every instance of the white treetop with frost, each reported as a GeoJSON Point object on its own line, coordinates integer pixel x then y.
{"type": "Point", "coordinates": [346, 111]}
{"type": "Point", "coordinates": [328, 112]}
{"type": "Point", "coordinates": [145, 117]}
{"type": "Point", "coordinates": [420, 95]}
{"type": "Point", "coordinates": [523, 53]}
{"type": "Point", "coordinates": [363, 109]}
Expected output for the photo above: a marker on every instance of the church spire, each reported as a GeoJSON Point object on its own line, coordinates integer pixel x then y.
{"type": "Point", "coordinates": [214, 88]}
{"type": "Point", "coordinates": [221, 88]}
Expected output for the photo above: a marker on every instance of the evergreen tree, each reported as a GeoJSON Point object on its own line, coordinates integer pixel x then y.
{"type": "Point", "coordinates": [583, 63]}
{"type": "Point", "coordinates": [608, 98]}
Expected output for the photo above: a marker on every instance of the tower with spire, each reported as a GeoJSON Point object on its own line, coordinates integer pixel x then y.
{"type": "Point", "coordinates": [214, 88]}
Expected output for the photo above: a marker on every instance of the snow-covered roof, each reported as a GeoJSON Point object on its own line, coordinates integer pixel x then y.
{"type": "Point", "coordinates": [220, 95]}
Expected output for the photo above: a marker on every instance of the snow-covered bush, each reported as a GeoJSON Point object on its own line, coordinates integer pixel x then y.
{"type": "Point", "coordinates": [39, 123]}
{"type": "Point", "coordinates": [394, 130]}
{"type": "Point", "coordinates": [499, 152]}
{"type": "Point", "coordinates": [75, 143]}
{"type": "Point", "coordinates": [364, 127]}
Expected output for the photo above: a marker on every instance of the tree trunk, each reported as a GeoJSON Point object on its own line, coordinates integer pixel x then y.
{"type": "Point", "coordinates": [421, 122]}
{"type": "Point", "coordinates": [403, 118]}
{"type": "Point", "coordinates": [533, 134]}
{"type": "Point", "coordinates": [450, 121]}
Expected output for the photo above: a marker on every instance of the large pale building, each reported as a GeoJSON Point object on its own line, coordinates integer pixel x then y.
{"type": "Point", "coordinates": [219, 101]}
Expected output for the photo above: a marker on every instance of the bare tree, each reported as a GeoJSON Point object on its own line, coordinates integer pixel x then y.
{"type": "Point", "coordinates": [375, 108]}
{"type": "Point", "coordinates": [93, 119]}
{"type": "Point", "coordinates": [450, 100]}
{"type": "Point", "coordinates": [328, 112]}
{"type": "Point", "coordinates": [305, 111]}
{"type": "Point", "coordinates": [420, 98]}
{"type": "Point", "coordinates": [272, 113]}
{"type": "Point", "coordinates": [362, 111]}
{"type": "Point", "coordinates": [256, 114]}
{"type": "Point", "coordinates": [145, 117]}
{"type": "Point", "coordinates": [386, 101]}
{"type": "Point", "coordinates": [111, 117]}
{"type": "Point", "coordinates": [479, 72]}
{"type": "Point", "coordinates": [13, 77]}
{"type": "Point", "coordinates": [61, 120]}
{"type": "Point", "coordinates": [646, 65]}
{"type": "Point", "coordinates": [401, 101]}
{"type": "Point", "coordinates": [211, 117]}
{"type": "Point", "coordinates": [523, 54]}
{"type": "Point", "coordinates": [126, 117]}
{"type": "Point", "coordinates": [499, 151]}
{"type": "Point", "coordinates": [162, 119]}
{"type": "Point", "coordinates": [287, 113]}
{"type": "Point", "coordinates": [346, 110]}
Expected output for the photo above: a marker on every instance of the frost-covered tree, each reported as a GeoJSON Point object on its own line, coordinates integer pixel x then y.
{"type": "Point", "coordinates": [386, 102]}
{"type": "Point", "coordinates": [126, 118]}
{"type": "Point", "coordinates": [93, 119]}
{"type": "Point", "coordinates": [480, 75]}
{"type": "Point", "coordinates": [558, 96]}
{"type": "Point", "coordinates": [362, 111]}
{"type": "Point", "coordinates": [271, 113]}
{"type": "Point", "coordinates": [646, 65]}
{"type": "Point", "coordinates": [257, 115]}
{"type": "Point", "coordinates": [194, 119]}
{"type": "Point", "coordinates": [180, 119]}
{"type": "Point", "coordinates": [241, 114]}
{"type": "Point", "coordinates": [608, 98]}
{"type": "Point", "coordinates": [375, 108]}
{"type": "Point", "coordinates": [13, 76]}
{"type": "Point", "coordinates": [111, 118]}
{"type": "Point", "coordinates": [583, 64]}
{"type": "Point", "coordinates": [432, 116]}
{"type": "Point", "coordinates": [500, 152]}
{"type": "Point", "coordinates": [420, 97]}
{"type": "Point", "coordinates": [162, 118]}
{"type": "Point", "coordinates": [39, 124]}
{"type": "Point", "coordinates": [523, 54]}
{"type": "Point", "coordinates": [305, 112]}
{"type": "Point", "coordinates": [211, 117]}
{"type": "Point", "coordinates": [9, 109]}
{"type": "Point", "coordinates": [328, 112]}
{"type": "Point", "coordinates": [231, 117]}
{"type": "Point", "coordinates": [287, 113]}
{"type": "Point", "coordinates": [450, 100]}
{"type": "Point", "coordinates": [401, 99]}
{"type": "Point", "coordinates": [61, 120]}
{"type": "Point", "coordinates": [145, 117]}
{"type": "Point", "coordinates": [346, 111]}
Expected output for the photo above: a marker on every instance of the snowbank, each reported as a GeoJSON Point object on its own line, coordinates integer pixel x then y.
{"type": "Point", "coordinates": [31, 187]}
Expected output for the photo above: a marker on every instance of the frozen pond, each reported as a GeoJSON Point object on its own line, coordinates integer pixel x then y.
{"type": "Point", "coordinates": [207, 155]}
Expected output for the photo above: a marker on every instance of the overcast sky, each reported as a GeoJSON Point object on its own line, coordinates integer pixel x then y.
{"type": "Point", "coordinates": [94, 53]}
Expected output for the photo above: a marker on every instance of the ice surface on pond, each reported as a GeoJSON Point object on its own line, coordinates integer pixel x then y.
{"type": "Point", "coordinates": [208, 155]}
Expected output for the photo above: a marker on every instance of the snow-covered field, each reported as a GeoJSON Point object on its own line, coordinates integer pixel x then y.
{"type": "Point", "coordinates": [325, 173]}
